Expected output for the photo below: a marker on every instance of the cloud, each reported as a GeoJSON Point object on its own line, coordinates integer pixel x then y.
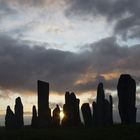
{"type": "Point", "coordinates": [6, 9]}
{"type": "Point", "coordinates": [22, 65]}
{"type": "Point", "coordinates": [125, 13]}
{"type": "Point", "coordinates": [17, 5]}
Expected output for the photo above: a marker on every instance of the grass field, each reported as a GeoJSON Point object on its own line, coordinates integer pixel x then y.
{"type": "Point", "coordinates": [115, 132]}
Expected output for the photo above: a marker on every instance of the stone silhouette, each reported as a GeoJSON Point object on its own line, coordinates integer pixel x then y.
{"type": "Point", "coordinates": [102, 108]}
{"type": "Point", "coordinates": [111, 109]}
{"type": "Point", "coordinates": [9, 118]}
{"type": "Point", "coordinates": [107, 111]}
{"type": "Point", "coordinates": [71, 110]}
{"type": "Point", "coordinates": [100, 105]}
{"type": "Point", "coordinates": [34, 121]}
{"type": "Point", "coordinates": [19, 113]}
{"type": "Point", "coordinates": [56, 116]}
{"type": "Point", "coordinates": [94, 118]}
{"type": "Point", "coordinates": [87, 116]}
{"type": "Point", "coordinates": [44, 112]}
{"type": "Point", "coordinates": [127, 99]}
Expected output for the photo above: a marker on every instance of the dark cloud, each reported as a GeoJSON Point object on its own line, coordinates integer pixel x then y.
{"type": "Point", "coordinates": [88, 7]}
{"type": "Point", "coordinates": [125, 13]}
{"type": "Point", "coordinates": [22, 65]}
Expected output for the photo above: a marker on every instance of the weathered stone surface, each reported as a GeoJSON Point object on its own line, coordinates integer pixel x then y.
{"type": "Point", "coordinates": [127, 99]}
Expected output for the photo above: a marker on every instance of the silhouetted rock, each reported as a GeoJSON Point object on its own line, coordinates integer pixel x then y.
{"type": "Point", "coordinates": [107, 111]}
{"type": "Point", "coordinates": [71, 110]}
{"type": "Point", "coordinates": [100, 105]}
{"type": "Point", "coordinates": [34, 122]}
{"type": "Point", "coordinates": [94, 114]}
{"type": "Point", "coordinates": [111, 109]}
{"type": "Point", "coordinates": [9, 118]}
{"type": "Point", "coordinates": [102, 109]}
{"type": "Point", "coordinates": [127, 98]}
{"type": "Point", "coordinates": [76, 113]}
{"type": "Point", "coordinates": [87, 116]}
{"type": "Point", "coordinates": [19, 113]}
{"type": "Point", "coordinates": [65, 120]}
{"type": "Point", "coordinates": [44, 112]}
{"type": "Point", "coordinates": [56, 116]}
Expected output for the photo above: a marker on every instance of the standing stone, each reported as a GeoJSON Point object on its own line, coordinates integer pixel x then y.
{"type": "Point", "coordinates": [19, 113]}
{"type": "Point", "coordinates": [94, 119]}
{"type": "Point", "coordinates": [56, 116]}
{"type": "Point", "coordinates": [87, 116]}
{"type": "Point", "coordinates": [107, 111]}
{"type": "Point", "coordinates": [71, 110]}
{"type": "Point", "coordinates": [127, 99]}
{"type": "Point", "coordinates": [111, 109]}
{"type": "Point", "coordinates": [9, 118]}
{"type": "Point", "coordinates": [102, 108]}
{"type": "Point", "coordinates": [65, 120]}
{"type": "Point", "coordinates": [44, 112]}
{"type": "Point", "coordinates": [34, 121]}
{"type": "Point", "coordinates": [75, 110]}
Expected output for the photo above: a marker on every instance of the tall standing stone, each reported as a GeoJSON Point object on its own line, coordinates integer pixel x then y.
{"type": "Point", "coordinates": [56, 116]}
{"type": "Point", "coordinates": [44, 112]}
{"type": "Point", "coordinates": [9, 118]}
{"type": "Point", "coordinates": [107, 111]}
{"type": "Point", "coordinates": [100, 105]}
{"type": "Point", "coordinates": [34, 121]}
{"type": "Point", "coordinates": [102, 108]}
{"type": "Point", "coordinates": [87, 116]}
{"type": "Point", "coordinates": [71, 110]}
{"type": "Point", "coordinates": [19, 113]}
{"type": "Point", "coordinates": [111, 109]}
{"type": "Point", "coordinates": [75, 109]}
{"type": "Point", "coordinates": [127, 99]}
{"type": "Point", "coordinates": [94, 110]}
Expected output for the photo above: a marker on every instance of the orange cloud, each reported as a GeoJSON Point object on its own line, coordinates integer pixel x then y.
{"type": "Point", "coordinates": [111, 75]}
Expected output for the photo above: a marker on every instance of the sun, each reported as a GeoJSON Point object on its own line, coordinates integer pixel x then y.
{"type": "Point", "coordinates": [61, 115]}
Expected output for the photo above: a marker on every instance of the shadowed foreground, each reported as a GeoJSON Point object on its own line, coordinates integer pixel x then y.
{"type": "Point", "coordinates": [114, 132]}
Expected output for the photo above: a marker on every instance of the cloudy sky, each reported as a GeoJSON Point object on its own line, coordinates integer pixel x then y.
{"type": "Point", "coordinates": [72, 44]}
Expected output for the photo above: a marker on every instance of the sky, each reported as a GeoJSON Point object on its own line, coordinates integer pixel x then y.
{"type": "Point", "coordinates": [72, 44]}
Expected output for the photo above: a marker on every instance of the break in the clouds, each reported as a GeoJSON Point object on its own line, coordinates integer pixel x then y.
{"type": "Point", "coordinates": [22, 65]}
{"type": "Point", "coordinates": [46, 21]}
{"type": "Point", "coordinates": [70, 23]}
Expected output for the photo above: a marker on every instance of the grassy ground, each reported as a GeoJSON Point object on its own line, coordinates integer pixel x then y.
{"type": "Point", "coordinates": [116, 132]}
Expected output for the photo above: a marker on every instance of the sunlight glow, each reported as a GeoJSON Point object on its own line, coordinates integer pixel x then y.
{"type": "Point", "coordinates": [62, 115]}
